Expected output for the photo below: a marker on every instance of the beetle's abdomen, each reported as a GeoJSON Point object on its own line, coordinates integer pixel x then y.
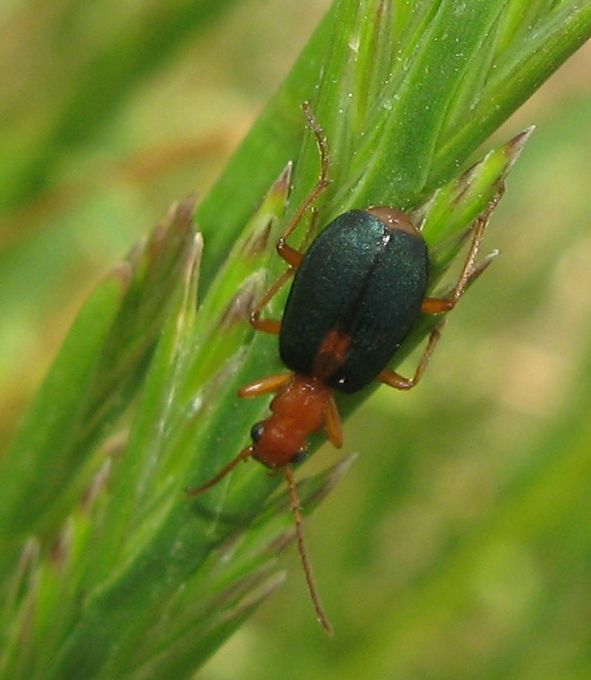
{"type": "Point", "coordinates": [353, 300]}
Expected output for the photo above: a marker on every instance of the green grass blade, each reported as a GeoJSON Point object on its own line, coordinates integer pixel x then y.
{"type": "Point", "coordinates": [97, 373]}
{"type": "Point", "coordinates": [32, 468]}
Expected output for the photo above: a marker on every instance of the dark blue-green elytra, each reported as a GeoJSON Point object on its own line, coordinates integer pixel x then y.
{"type": "Point", "coordinates": [365, 279]}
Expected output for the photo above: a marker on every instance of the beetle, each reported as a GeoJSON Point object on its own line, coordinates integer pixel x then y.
{"type": "Point", "coordinates": [358, 290]}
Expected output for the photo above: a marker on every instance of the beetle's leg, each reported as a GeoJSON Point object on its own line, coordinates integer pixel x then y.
{"type": "Point", "coordinates": [400, 382]}
{"type": "Point", "coordinates": [334, 427]}
{"type": "Point", "coordinates": [292, 256]}
{"type": "Point", "coordinates": [272, 326]}
{"type": "Point", "coordinates": [468, 274]}
{"type": "Point", "coordinates": [271, 383]}
{"type": "Point", "coordinates": [470, 271]}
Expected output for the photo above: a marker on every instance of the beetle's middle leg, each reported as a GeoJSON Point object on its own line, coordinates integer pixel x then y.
{"type": "Point", "coordinates": [470, 272]}
{"type": "Point", "coordinates": [291, 255]}
{"type": "Point", "coordinates": [398, 381]}
{"type": "Point", "coordinates": [272, 326]}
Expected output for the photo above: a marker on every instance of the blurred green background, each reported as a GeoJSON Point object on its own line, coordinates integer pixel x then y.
{"type": "Point", "coordinates": [459, 545]}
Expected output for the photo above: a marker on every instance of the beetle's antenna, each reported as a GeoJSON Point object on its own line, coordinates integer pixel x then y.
{"type": "Point", "coordinates": [297, 515]}
{"type": "Point", "coordinates": [243, 455]}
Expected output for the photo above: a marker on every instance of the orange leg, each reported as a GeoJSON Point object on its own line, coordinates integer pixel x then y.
{"type": "Point", "coordinates": [291, 255]}
{"type": "Point", "coordinates": [400, 382]}
{"type": "Point", "coordinates": [272, 383]}
{"type": "Point", "coordinates": [272, 326]}
{"type": "Point", "coordinates": [318, 188]}
{"type": "Point", "coordinates": [334, 427]}
{"type": "Point", "coordinates": [470, 271]}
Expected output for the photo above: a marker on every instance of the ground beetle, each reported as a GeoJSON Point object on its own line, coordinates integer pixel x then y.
{"type": "Point", "coordinates": [357, 292]}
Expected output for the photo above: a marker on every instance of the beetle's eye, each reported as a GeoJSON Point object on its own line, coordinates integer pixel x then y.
{"type": "Point", "coordinates": [299, 457]}
{"type": "Point", "coordinates": [256, 431]}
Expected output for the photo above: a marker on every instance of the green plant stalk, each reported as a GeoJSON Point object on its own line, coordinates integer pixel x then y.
{"type": "Point", "coordinates": [116, 574]}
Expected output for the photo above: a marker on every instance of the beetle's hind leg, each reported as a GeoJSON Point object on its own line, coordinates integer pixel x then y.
{"type": "Point", "coordinates": [334, 426]}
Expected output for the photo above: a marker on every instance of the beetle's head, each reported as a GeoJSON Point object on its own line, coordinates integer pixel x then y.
{"type": "Point", "coordinates": [276, 444]}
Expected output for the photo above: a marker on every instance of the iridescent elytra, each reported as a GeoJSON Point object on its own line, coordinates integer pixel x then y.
{"type": "Point", "coordinates": [358, 290]}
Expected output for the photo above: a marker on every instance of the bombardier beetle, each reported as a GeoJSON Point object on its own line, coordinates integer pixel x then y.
{"type": "Point", "coordinates": [357, 291]}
